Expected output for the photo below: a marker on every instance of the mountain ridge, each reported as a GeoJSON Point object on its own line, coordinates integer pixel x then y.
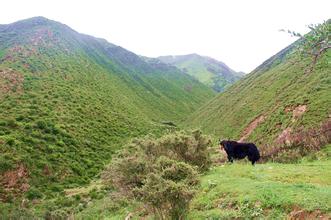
{"type": "Point", "coordinates": [207, 70]}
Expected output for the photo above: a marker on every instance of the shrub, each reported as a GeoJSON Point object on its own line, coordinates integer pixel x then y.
{"type": "Point", "coordinates": [6, 163]}
{"type": "Point", "coordinates": [128, 171]}
{"type": "Point", "coordinates": [161, 172]}
{"type": "Point", "coordinates": [190, 148]}
{"type": "Point", "coordinates": [34, 193]}
{"type": "Point", "coordinates": [169, 188]}
{"type": "Point", "coordinates": [41, 125]}
{"type": "Point", "coordinates": [10, 141]}
{"type": "Point", "coordinates": [12, 123]}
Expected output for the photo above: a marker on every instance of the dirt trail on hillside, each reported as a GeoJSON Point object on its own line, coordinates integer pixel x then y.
{"type": "Point", "coordinates": [250, 128]}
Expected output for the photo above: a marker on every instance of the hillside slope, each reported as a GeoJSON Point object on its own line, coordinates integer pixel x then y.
{"type": "Point", "coordinates": [209, 71]}
{"type": "Point", "coordinates": [68, 100]}
{"type": "Point", "coordinates": [276, 104]}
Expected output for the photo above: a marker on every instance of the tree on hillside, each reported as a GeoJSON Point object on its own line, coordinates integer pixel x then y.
{"type": "Point", "coordinates": [315, 43]}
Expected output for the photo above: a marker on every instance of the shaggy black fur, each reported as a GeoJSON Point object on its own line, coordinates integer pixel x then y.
{"type": "Point", "coordinates": [236, 150]}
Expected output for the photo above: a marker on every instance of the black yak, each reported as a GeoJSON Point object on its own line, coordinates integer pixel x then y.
{"type": "Point", "coordinates": [236, 150]}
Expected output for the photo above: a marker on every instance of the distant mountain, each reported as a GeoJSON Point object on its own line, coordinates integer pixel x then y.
{"type": "Point", "coordinates": [209, 71]}
{"type": "Point", "coordinates": [69, 100]}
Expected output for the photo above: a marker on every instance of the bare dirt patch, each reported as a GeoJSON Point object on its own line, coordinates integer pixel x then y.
{"type": "Point", "coordinates": [15, 177]}
{"type": "Point", "coordinates": [285, 136]}
{"type": "Point", "coordinates": [297, 111]}
{"type": "Point", "coordinates": [299, 214]}
{"type": "Point", "coordinates": [250, 128]}
{"type": "Point", "coordinates": [10, 82]}
{"type": "Point", "coordinates": [15, 181]}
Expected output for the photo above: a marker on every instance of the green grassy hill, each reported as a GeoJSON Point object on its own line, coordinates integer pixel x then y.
{"type": "Point", "coordinates": [278, 103]}
{"type": "Point", "coordinates": [68, 100]}
{"type": "Point", "coordinates": [209, 71]}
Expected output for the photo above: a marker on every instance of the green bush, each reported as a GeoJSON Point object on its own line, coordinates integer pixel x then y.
{"type": "Point", "coordinates": [10, 141]}
{"type": "Point", "coordinates": [12, 123]}
{"type": "Point", "coordinates": [34, 193]}
{"type": "Point", "coordinates": [6, 163]}
{"type": "Point", "coordinates": [169, 188]}
{"type": "Point", "coordinates": [128, 171]}
{"type": "Point", "coordinates": [161, 172]}
{"type": "Point", "coordinates": [191, 148]}
{"type": "Point", "coordinates": [41, 124]}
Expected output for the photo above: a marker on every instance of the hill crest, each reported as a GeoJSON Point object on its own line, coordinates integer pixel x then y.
{"type": "Point", "coordinates": [207, 70]}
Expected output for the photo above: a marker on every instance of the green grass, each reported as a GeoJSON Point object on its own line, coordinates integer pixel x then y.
{"type": "Point", "coordinates": [197, 69]}
{"type": "Point", "coordinates": [268, 190]}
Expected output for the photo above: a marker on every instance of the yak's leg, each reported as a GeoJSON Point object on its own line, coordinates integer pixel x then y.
{"type": "Point", "coordinates": [252, 159]}
{"type": "Point", "coordinates": [230, 159]}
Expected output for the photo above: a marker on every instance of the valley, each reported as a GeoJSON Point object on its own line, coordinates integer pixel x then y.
{"type": "Point", "coordinates": [69, 101]}
{"type": "Point", "coordinates": [75, 108]}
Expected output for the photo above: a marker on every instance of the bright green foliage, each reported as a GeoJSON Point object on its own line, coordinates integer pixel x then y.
{"type": "Point", "coordinates": [211, 72]}
{"type": "Point", "coordinates": [68, 101]}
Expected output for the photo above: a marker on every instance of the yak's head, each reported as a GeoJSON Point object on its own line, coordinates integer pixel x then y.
{"type": "Point", "coordinates": [223, 144]}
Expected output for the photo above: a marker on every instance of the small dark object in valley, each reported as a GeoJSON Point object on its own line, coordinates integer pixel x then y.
{"type": "Point", "coordinates": [169, 123]}
{"type": "Point", "coordinates": [236, 150]}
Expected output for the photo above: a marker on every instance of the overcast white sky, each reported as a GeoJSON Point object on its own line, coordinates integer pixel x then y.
{"type": "Point", "coordinates": [241, 33]}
